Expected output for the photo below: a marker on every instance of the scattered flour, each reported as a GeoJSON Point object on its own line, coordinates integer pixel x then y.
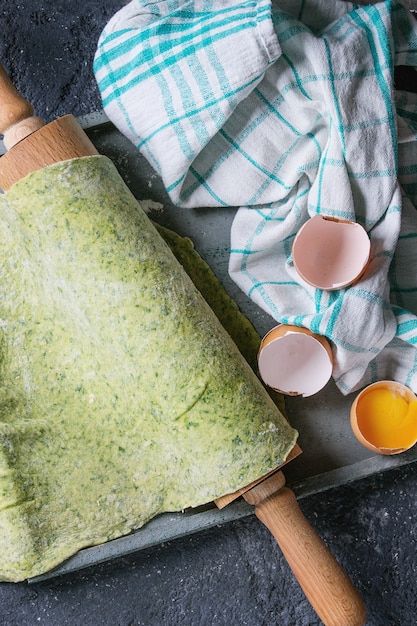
{"type": "Point", "coordinates": [151, 205]}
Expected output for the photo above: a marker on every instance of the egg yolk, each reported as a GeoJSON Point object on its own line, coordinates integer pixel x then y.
{"type": "Point", "coordinates": [387, 420]}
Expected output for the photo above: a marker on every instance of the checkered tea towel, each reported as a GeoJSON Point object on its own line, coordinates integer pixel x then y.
{"type": "Point", "coordinates": [285, 109]}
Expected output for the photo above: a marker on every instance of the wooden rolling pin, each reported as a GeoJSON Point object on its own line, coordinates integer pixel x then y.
{"type": "Point", "coordinates": [324, 582]}
{"type": "Point", "coordinates": [33, 145]}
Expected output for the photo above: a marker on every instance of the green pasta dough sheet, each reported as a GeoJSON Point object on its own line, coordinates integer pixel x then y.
{"type": "Point", "coordinates": [121, 394]}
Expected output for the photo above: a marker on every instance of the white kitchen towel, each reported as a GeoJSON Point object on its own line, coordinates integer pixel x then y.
{"type": "Point", "coordinates": [285, 110]}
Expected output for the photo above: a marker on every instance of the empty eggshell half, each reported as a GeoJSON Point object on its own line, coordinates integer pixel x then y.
{"type": "Point", "coordinates": [295, 361]}
{"type": "Point", "coordinates": [384, 417]}
{"type": "Point", "coordinates": [329, 253]}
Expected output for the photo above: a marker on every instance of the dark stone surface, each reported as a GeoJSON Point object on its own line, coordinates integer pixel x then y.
{"type": "Point", "coordinates": [231, 575]}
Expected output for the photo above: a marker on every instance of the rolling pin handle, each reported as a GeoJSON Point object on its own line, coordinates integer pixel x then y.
{"type": "Point", "coordinates": [16, 114]}
{"type": "Point", "coordinates": [324, 582]}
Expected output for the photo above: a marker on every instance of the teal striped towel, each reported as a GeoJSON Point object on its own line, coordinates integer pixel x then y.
{"type": "Point", "coordinates": [285, 109]}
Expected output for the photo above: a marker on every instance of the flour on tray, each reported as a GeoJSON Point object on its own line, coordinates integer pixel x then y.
{"type": "Point", "coordinates": [151, 206]}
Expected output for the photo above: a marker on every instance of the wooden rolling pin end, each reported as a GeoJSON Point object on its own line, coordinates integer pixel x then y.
{"type": "Point", "coordinates": [324, 582]}
{"type": "Point", "coordinates": [31, 144]}
{"type": "Point", "coordinates": [60, 140]}
{"type": "Point", "coordinates": [19, 131]}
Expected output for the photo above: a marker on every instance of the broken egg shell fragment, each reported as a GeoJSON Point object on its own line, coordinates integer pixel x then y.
{"type": "Point", "coordinates": [329, 253]}
{"type": "Point", "coordinates": [294, 361]}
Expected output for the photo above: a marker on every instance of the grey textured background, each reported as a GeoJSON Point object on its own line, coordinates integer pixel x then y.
{"type": "Point", "coordinates": [231, 575]}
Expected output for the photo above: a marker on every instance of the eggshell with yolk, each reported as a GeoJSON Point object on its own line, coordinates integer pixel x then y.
{"type": "Point", "coordinates": [383, 417]}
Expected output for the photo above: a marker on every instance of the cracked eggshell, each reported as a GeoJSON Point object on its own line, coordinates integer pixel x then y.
{"type": "Point", "coordinates": [329, 253]}
{"type": "Point", "coordinates": [295, 361]}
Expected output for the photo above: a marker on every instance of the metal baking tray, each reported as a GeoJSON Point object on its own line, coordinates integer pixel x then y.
{"type": "Point", "coordinates": [331, 454]}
